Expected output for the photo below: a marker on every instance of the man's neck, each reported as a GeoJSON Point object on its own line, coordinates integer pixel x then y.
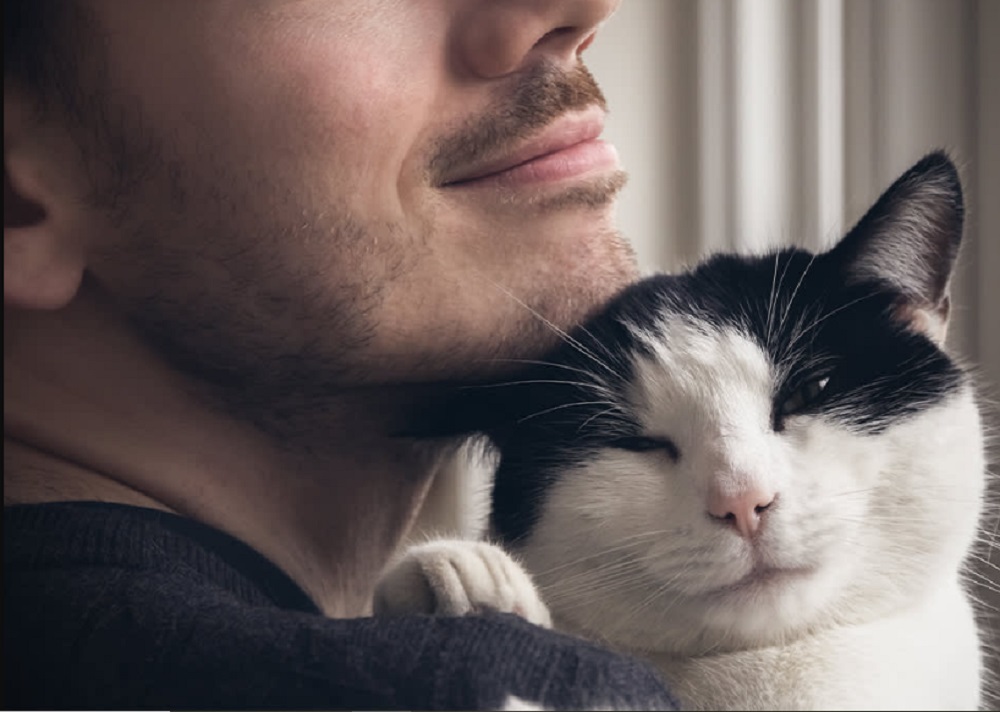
{"type": "Point", "coordinates": [33, 477]}
{"type": "Point", "coordinates": [91, 414]}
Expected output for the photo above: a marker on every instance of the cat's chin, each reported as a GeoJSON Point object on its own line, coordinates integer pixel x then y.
{"type": "Point", "coordinates": [767, 606]}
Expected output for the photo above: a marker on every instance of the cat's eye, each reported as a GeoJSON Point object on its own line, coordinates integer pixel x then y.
{"type": "Point", "coordinates": [644, 443]}
{"type": "Point", "coordinates": [804, 396]}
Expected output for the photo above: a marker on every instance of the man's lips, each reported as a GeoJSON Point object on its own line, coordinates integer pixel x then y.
{"type": "Point", "coordinates": [568, 146]}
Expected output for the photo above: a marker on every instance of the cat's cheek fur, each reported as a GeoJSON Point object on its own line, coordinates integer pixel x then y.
{"type": "Point", "coordinates": [931, 492]}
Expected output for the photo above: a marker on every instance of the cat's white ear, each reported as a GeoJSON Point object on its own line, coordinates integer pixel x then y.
{"type": "Point", "coordinates": [908, 242]}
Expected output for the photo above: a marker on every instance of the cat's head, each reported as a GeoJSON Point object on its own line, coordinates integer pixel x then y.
{"type": "Point", "coordinates": [731, 456]}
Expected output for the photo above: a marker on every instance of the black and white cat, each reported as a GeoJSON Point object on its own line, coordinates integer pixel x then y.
{"type": "Point", "coordinates": [764, 474]}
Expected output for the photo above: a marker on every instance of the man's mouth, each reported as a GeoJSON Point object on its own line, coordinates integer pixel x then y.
{"type": "Point", "coordinates": [569, 147]}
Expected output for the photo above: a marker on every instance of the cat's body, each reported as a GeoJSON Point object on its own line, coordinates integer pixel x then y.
{"type": "Point", "coordinates": [764, 475]}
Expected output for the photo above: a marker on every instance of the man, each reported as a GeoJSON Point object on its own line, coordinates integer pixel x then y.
{"type": "Point", "coordinates": [243, 243]}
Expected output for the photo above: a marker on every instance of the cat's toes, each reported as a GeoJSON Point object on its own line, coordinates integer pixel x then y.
{"type": "Point", "coordinates": [457, 577]}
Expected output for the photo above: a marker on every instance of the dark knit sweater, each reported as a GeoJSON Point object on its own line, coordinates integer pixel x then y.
{"type": "Point", "coordinates": [112, 606]}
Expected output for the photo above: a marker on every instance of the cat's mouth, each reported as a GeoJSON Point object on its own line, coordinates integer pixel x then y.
{"type": "Point", "coordinates": [763, 577]}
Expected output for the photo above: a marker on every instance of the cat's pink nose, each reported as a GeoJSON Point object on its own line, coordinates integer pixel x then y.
{"type": "Point", "coordinates": [743, 509]}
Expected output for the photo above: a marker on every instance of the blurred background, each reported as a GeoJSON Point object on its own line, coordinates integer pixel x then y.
{"type": "Point", "coordinates": [749, 123]}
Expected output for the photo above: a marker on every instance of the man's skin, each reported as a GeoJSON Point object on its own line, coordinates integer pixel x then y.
{"type": "Point", "coordinates": [242, 247]}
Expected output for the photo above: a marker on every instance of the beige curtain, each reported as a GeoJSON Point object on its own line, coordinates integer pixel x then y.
{"type": "Point", "coordinates": [754, 122]}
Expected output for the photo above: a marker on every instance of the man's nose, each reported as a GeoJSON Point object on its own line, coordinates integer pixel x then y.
{"type": "Point", "coordinates": [492, 38]}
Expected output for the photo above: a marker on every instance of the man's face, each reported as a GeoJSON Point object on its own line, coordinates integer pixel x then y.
{"type": "Point", "coordinates": [307, 194]}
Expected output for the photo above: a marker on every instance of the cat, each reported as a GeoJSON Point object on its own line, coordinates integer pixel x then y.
{"type": "Point", "coordinates": [764, 475]}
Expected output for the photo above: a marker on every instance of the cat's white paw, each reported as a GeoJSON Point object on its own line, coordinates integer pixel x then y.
{"type": "Point", "coordinates": [456, 577]}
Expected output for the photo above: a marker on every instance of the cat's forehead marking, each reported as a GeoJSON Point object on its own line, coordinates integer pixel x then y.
{"type": "Point", "coordinates": [688, 347]}
{"type": "Point", "coordinates": [705, 370]}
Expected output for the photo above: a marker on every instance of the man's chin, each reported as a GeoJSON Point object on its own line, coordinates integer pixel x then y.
{"type": "Point", "coordinates": [597, 192]}
{"type": "Point", "coordinates": [540, 318]}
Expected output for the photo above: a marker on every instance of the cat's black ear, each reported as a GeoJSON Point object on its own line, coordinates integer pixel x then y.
{"type": "Point", "coordinates": [908, 242]}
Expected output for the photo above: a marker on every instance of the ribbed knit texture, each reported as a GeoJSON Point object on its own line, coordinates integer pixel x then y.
{"type": "Point", "coordinates": [109, 606]}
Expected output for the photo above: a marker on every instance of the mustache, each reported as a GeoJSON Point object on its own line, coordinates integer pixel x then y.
{"type": "Point", "coordinates": [543, 95]}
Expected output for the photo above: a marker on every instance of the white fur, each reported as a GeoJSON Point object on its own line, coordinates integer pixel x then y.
{"type": "Point", "coordinates": [457, 503]}
{"type": "Point", "coordinates": [513, 703]}
{"type": "Point", "coordinates": [876, 526]}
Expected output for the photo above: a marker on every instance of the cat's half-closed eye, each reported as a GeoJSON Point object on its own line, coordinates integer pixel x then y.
{"type": "Point", "coordinates": [646, 443]}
